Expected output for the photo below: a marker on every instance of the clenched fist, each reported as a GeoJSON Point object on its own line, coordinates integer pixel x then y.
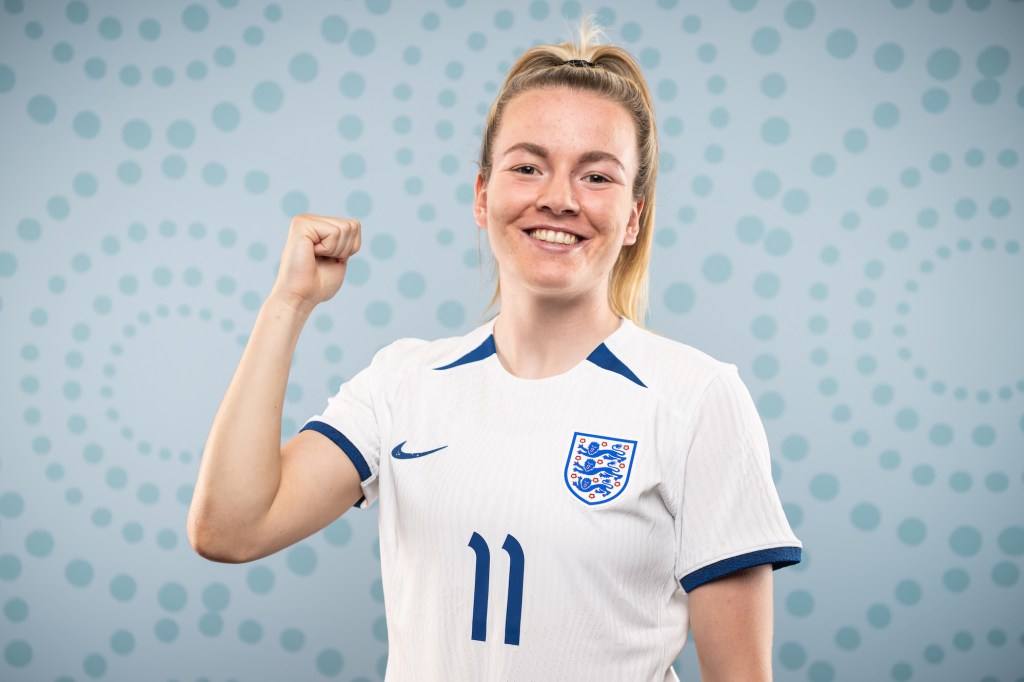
{"type": "Point", "coordinates": [315, 257]}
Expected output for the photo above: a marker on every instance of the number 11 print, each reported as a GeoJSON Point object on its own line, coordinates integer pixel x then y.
{"type": "Point", "coordinates": [481, 587]}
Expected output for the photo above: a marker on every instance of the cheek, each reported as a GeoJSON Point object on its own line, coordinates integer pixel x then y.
{"type": "Point", "coordinates": [500, 213]}
{"type": "Point", "coordinates": [504, 240]}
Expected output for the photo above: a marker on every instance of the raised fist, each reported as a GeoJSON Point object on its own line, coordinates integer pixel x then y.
{"type": "Point", "coordinates": [315, 258]}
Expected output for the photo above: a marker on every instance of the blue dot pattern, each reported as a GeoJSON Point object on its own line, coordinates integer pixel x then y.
{"type": "Point", "coordinates": [839, 214]}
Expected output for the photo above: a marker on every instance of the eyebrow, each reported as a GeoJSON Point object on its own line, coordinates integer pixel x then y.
{"type": "Point", "coordinates": [586, 157]}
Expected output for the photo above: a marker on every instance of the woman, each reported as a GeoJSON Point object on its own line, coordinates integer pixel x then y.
{"type": "Point", "coordinates": [562, 493]}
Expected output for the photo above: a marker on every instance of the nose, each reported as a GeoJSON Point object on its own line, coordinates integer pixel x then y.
{"type": "Point", "coordinates": [557, 195]}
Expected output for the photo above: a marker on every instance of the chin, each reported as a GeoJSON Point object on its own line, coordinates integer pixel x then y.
{"type": "Point", "coordinates": [555, 288]}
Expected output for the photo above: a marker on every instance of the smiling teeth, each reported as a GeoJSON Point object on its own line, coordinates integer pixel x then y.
{"type": "Point", "coordinates": [554, 236]}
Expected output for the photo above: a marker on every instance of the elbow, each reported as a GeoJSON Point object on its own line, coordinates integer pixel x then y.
{"type": "Point", "coordinates": [211, 552]}
{"type": "Point", "coordinates": [206, 546]}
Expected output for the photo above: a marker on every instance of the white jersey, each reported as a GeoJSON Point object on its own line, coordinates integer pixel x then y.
{"type": "Point", "coordinates": [550, 529]}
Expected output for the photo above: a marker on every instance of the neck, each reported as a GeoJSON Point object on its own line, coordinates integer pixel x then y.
{"type": "Point", "coordinates": [537, 338]}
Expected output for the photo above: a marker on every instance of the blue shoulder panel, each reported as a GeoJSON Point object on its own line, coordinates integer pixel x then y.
{"type": "Point", "coordinates": [605, 359]}
{"type": "Point", "coordinates": [482, 351]}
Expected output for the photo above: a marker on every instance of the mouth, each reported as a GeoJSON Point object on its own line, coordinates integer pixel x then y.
{"type": "Point", "coordinates": [552, 236]}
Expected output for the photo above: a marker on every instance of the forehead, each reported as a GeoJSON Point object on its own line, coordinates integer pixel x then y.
{"type": "Point", "coordinates": [562, 118]}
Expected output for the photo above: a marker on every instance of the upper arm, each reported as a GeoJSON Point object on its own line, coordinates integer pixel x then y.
{"type": "Point", "coordinates": [318, 484]}
{"type": "Point", "coordinates": [729, 514]}
{"type": "Point", "coordinates": [731, 619]}
{"type": "Point", "coordinates": [732, 532]}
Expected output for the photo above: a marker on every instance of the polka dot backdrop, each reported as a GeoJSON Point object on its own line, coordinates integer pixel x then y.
{"type": "Point", "coordinates": [839, 214]}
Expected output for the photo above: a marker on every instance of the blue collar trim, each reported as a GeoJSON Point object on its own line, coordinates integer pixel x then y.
{"type": "Point", "coordinates": [484, 350]}
{"type": "Point", "coordinates": [602, 357]}
{"type": "Point", "coordinates": [605, 359]}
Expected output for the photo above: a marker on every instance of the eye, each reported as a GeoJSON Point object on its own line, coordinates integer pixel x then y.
{"type": "Point", "coordinates": [596, 178]}
{"type": "Point", "coordinates": [526, 169]}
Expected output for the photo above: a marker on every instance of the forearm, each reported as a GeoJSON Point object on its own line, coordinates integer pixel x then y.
{"type": "Point", "coordinates": [240, 469]}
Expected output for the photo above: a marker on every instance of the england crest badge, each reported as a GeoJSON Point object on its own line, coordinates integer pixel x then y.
{"type": "Point", "coordinates": [597, 469]}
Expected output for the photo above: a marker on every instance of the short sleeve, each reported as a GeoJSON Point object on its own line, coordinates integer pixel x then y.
{"type": "Point", "coordinates": [352, 421]}
{"type": "Point", "coordinates": [730, 516]}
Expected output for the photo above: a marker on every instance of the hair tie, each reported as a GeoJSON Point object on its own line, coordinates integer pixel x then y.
{"type": "Point", "coordinates": [578, 62]}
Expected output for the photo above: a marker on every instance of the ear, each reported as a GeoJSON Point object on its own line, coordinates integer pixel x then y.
{"type": "Point", "coordinates": [480, 201]}
{"type": "Point", "coordinates": [633, 224]}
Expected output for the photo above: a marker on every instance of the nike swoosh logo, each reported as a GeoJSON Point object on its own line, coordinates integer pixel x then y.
{"type": "Point", "coordinates": [398, 454]}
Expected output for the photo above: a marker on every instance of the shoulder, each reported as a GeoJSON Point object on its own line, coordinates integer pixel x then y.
{"type": "Point", "coordinates": [672, 368]}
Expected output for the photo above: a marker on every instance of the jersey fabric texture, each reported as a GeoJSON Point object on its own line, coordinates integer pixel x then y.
{"type": "Point", "coordinates": [551, 529]}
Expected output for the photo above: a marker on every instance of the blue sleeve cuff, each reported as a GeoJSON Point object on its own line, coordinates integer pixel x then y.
{"type": "Point", "coordinates": [778, 557]}
{"type": "Point", "coordinates": [339, 439]}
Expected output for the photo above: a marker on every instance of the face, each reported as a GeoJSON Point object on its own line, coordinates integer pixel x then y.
{"type": "Point", "coordinates": [559, 206]}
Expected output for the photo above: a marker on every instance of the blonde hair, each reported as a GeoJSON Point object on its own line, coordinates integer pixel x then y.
{"type": "Point", "coordinates": [616, 76]}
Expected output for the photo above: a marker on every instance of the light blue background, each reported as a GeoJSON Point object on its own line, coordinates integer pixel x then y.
{"type": "Point", "coordinates": [839, 214]}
